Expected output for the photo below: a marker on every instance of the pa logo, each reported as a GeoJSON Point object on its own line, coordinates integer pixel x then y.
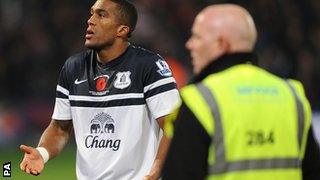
{"type": "Point", "coordinates": [102, 123]}
{"type": "Point", "coordinates": [6, 169]}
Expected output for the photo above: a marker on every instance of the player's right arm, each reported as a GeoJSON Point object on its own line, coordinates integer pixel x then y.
{"type": "Point", "coordinates": [53, 139]}
{"type": "Point", "coordinates": [57, 134]}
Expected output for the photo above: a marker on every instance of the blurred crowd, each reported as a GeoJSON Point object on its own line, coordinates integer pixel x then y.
{"type": "Point", "coordinates": [37, 36]}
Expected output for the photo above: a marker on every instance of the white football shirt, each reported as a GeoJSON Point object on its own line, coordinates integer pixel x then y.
{"type": "Point", "coordinates": [114, 108]}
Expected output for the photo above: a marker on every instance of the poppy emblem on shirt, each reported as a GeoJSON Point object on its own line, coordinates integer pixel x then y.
{"type": "Point", "coordinates": [101, 83]}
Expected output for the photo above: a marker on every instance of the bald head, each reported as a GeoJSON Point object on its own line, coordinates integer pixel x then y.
{"type": "Point", "coordinates": [231, 22]}
{"type": "Point", "coordinates": [218, 30]}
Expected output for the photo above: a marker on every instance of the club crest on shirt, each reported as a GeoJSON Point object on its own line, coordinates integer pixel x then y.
{"type": "Point", "coordinates": [122, 80]}
{"type": "Point", "coordinates": [164, 69]}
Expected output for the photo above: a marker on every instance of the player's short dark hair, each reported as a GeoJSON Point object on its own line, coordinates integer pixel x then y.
{"type": "Point", "coordinates": [128, 14]}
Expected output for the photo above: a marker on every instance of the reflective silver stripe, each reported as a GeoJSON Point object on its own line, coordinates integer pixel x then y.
{"type": "Point", "coordinates": [217, 139]}
{"type": "Point", "coordinates": [255, 164]}
{"type": "Point", "coordinates": [300, 110]}
{"type": "Point", "coordinates": [221, 165]}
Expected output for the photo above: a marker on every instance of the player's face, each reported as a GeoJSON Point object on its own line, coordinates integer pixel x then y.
{"type": "Point", "coordinates": [202, 45]}
{"type": "Point", "coordinates": [102, 25]}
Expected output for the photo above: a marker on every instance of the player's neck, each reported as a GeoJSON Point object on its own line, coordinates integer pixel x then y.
{"type": "Point", "coordinates": [112, 52]}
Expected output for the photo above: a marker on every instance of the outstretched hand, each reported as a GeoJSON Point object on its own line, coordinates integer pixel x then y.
{"type": "Point", "coordinates": [32, 162]}
{"type": "Point", "coordinates": [149, 177]}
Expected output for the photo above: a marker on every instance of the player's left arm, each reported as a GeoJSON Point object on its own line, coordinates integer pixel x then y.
{"type": "Point", "coordinates": [157, 165]}
{"type": "Point", "coordinates": [161, 95]}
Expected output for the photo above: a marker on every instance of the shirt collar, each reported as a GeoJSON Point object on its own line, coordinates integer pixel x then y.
{"type": "Point", "coordinates": [113, 62]}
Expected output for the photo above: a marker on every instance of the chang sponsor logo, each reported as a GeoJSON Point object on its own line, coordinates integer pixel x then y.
{"type": "Point", "coordinates": [96, 142]}
{"type": "Point", "coordinates": [101, 126]}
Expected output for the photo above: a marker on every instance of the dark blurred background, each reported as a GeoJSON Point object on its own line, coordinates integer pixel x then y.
{"type": "Point", "coordinates": [37, 36]}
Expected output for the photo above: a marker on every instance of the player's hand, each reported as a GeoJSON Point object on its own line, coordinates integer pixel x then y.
{"type": "Point", "coordinates": [149, 177]}
{"type": "Point", "coordinates": [32, 162]}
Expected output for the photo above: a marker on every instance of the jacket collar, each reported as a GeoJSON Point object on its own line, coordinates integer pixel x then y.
{"type": "Point", "coordinates": [225, 62]}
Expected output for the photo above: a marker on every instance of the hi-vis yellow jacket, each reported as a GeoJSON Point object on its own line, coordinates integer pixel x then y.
{"type": "Point", "coordinates": [258, 123]}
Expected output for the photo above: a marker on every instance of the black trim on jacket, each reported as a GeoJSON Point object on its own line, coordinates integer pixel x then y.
{"type": "Point", "coordinates": [225, 62]}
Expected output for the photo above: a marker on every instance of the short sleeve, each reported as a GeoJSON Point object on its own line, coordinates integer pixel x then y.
{"type": "Point", "coordinates": [160, 90]}
{"type": "Point", "coordinates": [62, 109]}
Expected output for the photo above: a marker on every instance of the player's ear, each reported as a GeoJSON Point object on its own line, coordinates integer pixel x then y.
{"type": "Point", "coordinates": [123, 30]}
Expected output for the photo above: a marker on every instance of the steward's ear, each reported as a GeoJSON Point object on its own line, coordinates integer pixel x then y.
{"type": "Point", "coordinates": [223, 45]}
{"type": "Point", "coordinates": [123, 30]}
